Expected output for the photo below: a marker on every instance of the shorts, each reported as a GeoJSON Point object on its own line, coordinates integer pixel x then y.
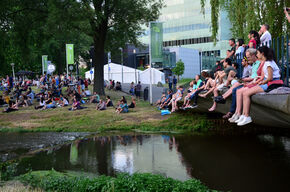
{"type": "Point", "coordinates": [264, 87]}
{"type": "Point", "coordinates": [234, 81]}
{"type": "Point", "coordinates": [178, 99]}
{"type": "Point", "coordinates": [191, 96]}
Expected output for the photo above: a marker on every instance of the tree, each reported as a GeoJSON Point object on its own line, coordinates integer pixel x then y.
{"type": "Point", "coordinates": [179, 69]}
{"type": "Point", "coordinates": [246, 15]}
{"type": "Point", "coordinates": [110, 23]}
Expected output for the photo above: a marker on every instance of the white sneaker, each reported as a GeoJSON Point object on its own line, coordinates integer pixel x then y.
{"type": "Point", "coordinates": [246, 120]}
{"type": "Point", "coordinates": [241, 118]}
{"type": "Point", "coordinates": [234, 118]}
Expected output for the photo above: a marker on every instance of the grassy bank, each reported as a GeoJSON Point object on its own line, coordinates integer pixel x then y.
{"type": "Point", "coordinates": [144, 117]}
{"type": "Point", "coordinates": [56, 181]}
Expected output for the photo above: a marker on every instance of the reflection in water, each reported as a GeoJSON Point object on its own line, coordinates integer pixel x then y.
{"type": "Point", "coordinates": [224, 163]}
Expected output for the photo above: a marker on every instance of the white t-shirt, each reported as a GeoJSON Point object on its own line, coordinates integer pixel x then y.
{"type": "Point", "coordinates": [266, 38]}
{"type": "Point", "coordinates": [273, 65]}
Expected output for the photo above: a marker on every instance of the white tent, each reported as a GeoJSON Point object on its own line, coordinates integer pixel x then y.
{"type": "Point", "coordinates": [157, 76]}
{"type": "Point", "coordinates": [114, 71]}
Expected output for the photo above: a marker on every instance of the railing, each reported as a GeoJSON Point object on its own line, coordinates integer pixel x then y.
{"type": "Point", "coordinates": [281, 48]}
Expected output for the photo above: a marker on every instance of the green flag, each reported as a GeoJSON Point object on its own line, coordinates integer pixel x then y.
{"type": "Point", "coordinates": [156, 42]}
{"type": "Point", "coordinates": [70, 53]}
{"type": "Point", "coordinates": [44, 62]}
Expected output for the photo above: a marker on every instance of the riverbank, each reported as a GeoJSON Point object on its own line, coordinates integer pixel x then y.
{"type": "Point", "coordinates": [56, 181]}
{"type": "Point", "coordinates": [144, 117]}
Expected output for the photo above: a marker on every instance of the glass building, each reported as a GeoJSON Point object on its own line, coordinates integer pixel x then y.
{"type": "Point", "coordinates": [184, 25]}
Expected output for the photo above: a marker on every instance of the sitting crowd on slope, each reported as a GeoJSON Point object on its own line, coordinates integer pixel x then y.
{"type": "Point", "coordinates": [54, 92]}
{"type": "Point", "coordinates": [260, 74]}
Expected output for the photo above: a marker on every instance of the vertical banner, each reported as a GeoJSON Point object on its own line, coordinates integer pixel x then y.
{"type": "Point", "coordinates": [69, 53]}
{"type": "Point", "coordinates": [156, 42]}
{"type": "Point", "coordinates": [44, 63]}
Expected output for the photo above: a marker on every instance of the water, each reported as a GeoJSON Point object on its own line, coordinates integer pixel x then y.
{"type": "Point", "coordinates": [14, 144]}
{"type": "Point", "coordinates": [236, 163]}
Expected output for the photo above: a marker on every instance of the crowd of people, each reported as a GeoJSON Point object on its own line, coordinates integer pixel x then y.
{"type": "Point", "coordinates": [260, 73]}
{"type": "Point", "coordinates": [54, 92]}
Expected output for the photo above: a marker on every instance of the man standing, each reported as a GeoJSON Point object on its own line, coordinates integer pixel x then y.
{"type": "Point", "coordinates": [174, 83]}
{"type": "Point", "coordinates": [138, 90]}
{"type": "Point", "coordinates": [169, 81]}
{"type": "Point", "coordinates": [266, 37]}
{"type": "Point", "coordinates": [231, 54]}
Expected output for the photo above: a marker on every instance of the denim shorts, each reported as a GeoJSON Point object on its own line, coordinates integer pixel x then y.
{"type": "Point", "coordinates": [264, 87]}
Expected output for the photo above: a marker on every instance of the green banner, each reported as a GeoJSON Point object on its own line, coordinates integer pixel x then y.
{"type": "Point", "coordinates": [70, 53]}
{"type": "Point", "coordinates": [44, 62]}
{"type": "Point", "coordinates": [156, 42]}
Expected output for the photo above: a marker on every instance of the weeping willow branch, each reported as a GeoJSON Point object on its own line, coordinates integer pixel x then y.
{"type": "Point", "coordinates": [215, 9]}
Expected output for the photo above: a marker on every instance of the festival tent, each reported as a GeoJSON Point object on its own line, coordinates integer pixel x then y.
{"type": "Point", "coordinates": [157, 76]}
{"type": "Point", "coordinates": [114, 71]}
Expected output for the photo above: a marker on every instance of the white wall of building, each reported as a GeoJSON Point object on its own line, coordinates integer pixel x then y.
{"type": "Point", "coordinates": [191, 60]}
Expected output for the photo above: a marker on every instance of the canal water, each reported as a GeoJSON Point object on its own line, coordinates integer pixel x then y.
{"type": "Point", "coordinates": [236, 163]}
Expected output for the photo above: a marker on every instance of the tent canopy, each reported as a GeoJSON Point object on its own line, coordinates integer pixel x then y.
{"type": "Point", "coordinates": [114, 71]}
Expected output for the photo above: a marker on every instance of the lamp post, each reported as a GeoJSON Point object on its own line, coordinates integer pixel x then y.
{"type": "Point", "coordinates": [12, 65]}
{"type": "Point", "coordinates": [134, 51]}
{"type": "Point", "coordinates": [121, 49]}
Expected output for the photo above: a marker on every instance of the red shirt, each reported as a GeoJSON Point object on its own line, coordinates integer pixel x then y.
{"type": "Point", "coordinates": [254, 43]}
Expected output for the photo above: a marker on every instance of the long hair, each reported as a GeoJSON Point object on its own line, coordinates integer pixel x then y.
{"type": "Point", "coordinates": [268, 53]}
{"type": "Point", "coordinates": [256, 36]}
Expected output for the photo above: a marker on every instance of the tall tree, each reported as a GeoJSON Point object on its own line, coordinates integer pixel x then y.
{"type": "Point", "coordinates": [246, 15]}
{"type": "Point", "coordinates": [114, 23]}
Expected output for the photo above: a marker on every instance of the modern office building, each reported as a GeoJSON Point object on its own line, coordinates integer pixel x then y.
{"type": "Point", "coordinates": [185, 26]}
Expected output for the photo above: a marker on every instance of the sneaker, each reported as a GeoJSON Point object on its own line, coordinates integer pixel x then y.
{"type": "Point", "coordinates": [241, 118]}
{"type": "Point", "coordinates": [234, 118]}
{"type": "Point", "coordinates": [245, 121]}
{"type": "Point", "coordinates": [193, 106]}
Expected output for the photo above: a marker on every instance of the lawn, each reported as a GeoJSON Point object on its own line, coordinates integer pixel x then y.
{"type": "Point", "coordinates": [144, 117]}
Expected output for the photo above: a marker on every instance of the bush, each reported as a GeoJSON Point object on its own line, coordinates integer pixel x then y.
{"type": "Point", "coordinates": [55, 181]}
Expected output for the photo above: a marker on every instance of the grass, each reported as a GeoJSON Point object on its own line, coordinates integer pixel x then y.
{"type": "Point", "coordinates": [56, 181]}
{"type": "Point", "coordinates": [144, 117]}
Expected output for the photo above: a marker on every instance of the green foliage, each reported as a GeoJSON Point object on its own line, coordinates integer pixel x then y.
{"type": "Point", "coordinates": [55, 181]}
{"type": "Point", "coordinates": [179, 69]}
{"type": "Point", "coordinates": [246, 15]}
{"type": "Point", "coordinates": [7, 170]}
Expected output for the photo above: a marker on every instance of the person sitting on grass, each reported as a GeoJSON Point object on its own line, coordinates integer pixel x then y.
{"type": "Point", "coordinates": [109, 102]}
{"type": "Point", "coordinates": [51, 104]}
{"type": "Point", "coordinates": [176, 97]}
{"type": "Point", "coordinates": [12, 107]}
{"type": "Point", "coordinates": [95, 98]}
{"type": "Point", "coordinates": [76, 104]}
{"type": "Point", "coordinates": [133, 103]}
{"type": "Point", "coordinates": [41, 103]}
{"type": "Point", "coordinates": [123, 107]}
{"type": "Point", "coordinates": [101, 105]}
{"type": "Point", "coordinates": [63, 102]}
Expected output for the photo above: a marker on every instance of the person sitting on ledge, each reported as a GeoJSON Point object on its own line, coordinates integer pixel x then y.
{"type": "Point", "coordinates": [270, 73]}
{"type": "Point", "coordinates": [176, 97]}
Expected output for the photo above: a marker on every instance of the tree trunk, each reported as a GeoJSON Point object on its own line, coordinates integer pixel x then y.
{"type": "Point", "coordinates": [99, 44]}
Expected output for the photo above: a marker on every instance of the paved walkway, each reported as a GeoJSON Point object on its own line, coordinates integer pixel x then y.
{"type": "Point", "coordinates": [156, 91]}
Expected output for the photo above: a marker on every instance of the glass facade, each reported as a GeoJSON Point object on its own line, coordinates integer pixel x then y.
{"type": "Point", "coordinates": [185, 26]}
